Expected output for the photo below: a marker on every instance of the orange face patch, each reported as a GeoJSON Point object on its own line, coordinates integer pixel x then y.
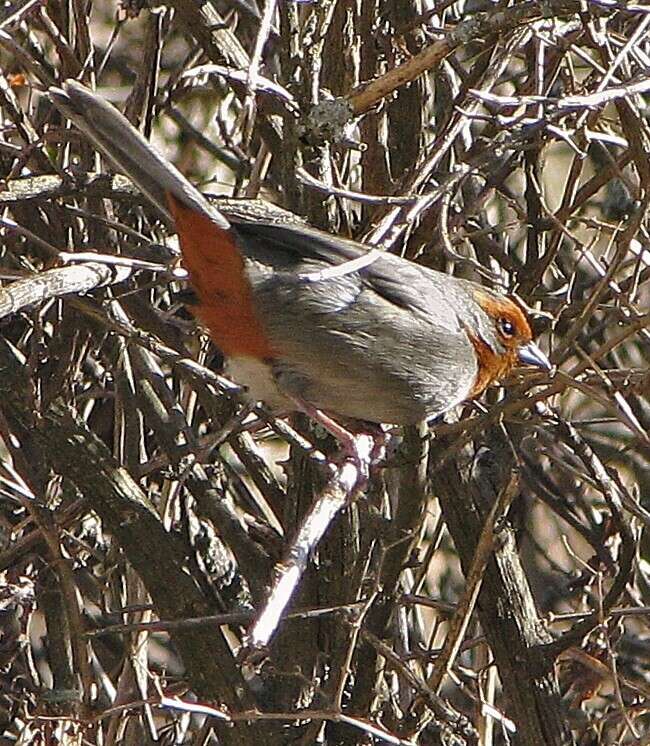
{"type": "Point", "coordinates": [491, 366]}
{"type": "Point", "coordinates": [506, 316]}
{"type": "Point", "coordinates": [507, 309]}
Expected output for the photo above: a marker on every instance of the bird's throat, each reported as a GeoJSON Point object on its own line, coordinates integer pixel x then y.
{"type": "Point", "coordinates": [491, 366]}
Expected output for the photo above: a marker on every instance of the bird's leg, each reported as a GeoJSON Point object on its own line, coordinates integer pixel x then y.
{"type": "Point", "coordinates": [358, 449]}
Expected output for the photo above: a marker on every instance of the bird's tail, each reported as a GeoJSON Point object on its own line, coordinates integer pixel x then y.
{"type": "Point", "coordinates": [210, 247]}
{"type": "Point", "coordinates": [129, 152]}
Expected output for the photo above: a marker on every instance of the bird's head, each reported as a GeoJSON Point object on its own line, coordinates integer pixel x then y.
{"type": "Point", "coordinates": [502, 338]}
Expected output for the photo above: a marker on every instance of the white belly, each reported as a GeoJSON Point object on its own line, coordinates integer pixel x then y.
{"type": "Point", "coordinates": [258, 379]}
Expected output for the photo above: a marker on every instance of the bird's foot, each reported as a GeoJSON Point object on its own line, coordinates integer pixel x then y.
{"type": "Point", "coordinates": [359, 450]}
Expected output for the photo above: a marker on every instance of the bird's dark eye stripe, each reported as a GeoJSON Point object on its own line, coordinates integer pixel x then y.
{"type": "Point", "coordinates": [506, 327]}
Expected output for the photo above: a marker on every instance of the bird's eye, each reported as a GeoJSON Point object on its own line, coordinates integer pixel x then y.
{"type": "Point", "coordinates": [506, 327]}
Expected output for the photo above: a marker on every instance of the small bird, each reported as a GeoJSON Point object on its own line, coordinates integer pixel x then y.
{"type": "Point", "coordinates": [312, 321]}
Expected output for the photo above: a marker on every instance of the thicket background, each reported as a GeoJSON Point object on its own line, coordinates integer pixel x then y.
{"type": "Point", "coordinates": [505, 142]}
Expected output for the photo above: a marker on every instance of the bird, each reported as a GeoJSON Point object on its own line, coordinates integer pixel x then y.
{"type": "Point", "coordinates": [311, 321]}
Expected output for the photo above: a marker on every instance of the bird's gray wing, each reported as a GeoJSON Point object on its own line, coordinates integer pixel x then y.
{"type": "Point", "coordinates": [303, 252]}
{"type": "Point", "coordinates": [382, 343]}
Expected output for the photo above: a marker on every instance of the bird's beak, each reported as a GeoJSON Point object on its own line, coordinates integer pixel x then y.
{"type": "Point", "coordinates": [530, 354]}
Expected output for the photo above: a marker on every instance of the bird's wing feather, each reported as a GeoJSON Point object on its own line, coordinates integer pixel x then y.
{"type": "Point", "coordinates": [301, 250]}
